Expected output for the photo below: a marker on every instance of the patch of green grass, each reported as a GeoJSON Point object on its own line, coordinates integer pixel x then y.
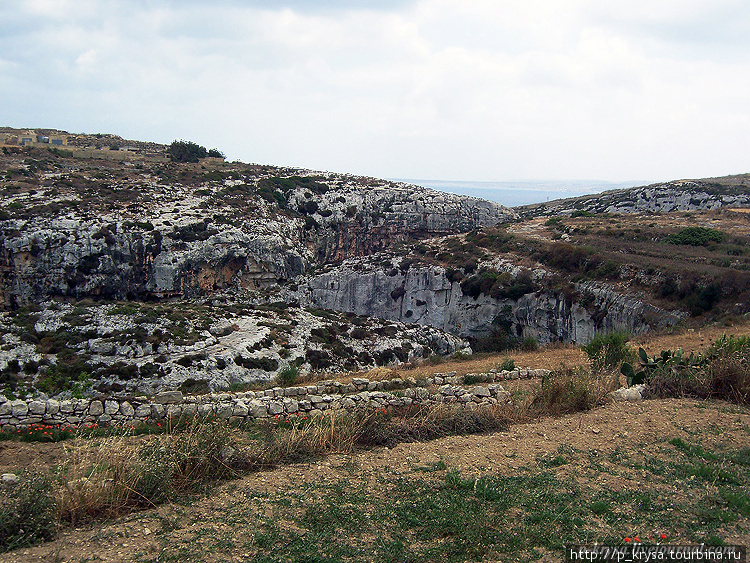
{"type": "Point", "coordinates": [455, 517]}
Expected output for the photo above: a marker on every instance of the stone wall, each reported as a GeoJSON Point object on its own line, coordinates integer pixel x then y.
{"type": "Point", "coordinates": [310, 400]}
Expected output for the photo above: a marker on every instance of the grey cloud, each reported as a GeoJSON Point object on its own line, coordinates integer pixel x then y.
{"type": "Point", "coordinates": [297, 5]}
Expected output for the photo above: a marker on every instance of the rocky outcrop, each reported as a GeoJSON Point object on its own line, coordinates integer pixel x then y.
{"type": "Point", "coordinates": [97, 230]}
{"type": "Point", "coordinates": [149, 348]}
{"type": "Point", "coordinates": [682, 195]}
{"type": "Point", "coordinates": [76, 258]}
{"type": "Point", "coordinates": [424, 295]}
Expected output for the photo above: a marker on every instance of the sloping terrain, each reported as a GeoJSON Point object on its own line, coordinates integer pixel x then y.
{"type": "Point", "coordinates": [117, 227]}
{"type": "Point", "coordinates": [627, 470]}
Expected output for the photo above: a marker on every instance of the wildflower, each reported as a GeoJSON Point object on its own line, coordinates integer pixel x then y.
{"type": "Point", "coordinates": [663, 536]}
{"type": "Point", "coordinates": [628, 540]}
{"type": "Point", "coordinates": [636, 538]}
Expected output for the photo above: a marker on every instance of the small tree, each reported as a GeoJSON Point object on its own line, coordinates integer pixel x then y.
{"type": "Point", "coordinates": [216, 153]}
{"type": "Point", "coordinates": [186, 151]}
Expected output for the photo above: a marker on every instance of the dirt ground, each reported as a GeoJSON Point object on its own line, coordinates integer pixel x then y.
{"type": "Point", "coordinates": [636, 426]}
{"type": "Point", "coordinates": [633, 427]}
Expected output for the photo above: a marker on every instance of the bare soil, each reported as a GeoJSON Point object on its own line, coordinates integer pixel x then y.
{"type": "Point", "coordinates": [633, 428]}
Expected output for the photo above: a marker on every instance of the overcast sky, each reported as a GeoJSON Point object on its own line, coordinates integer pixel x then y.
{"type": "Point", "coordinates": [440, 89]}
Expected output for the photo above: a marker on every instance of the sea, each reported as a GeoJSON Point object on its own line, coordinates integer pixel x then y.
{"type": "Point", "coordinates": [523, 192]}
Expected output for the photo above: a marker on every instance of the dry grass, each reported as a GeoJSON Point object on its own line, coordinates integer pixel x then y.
{"type": "Point", "coordinates": [111, 476]}
{"type": "Point", "coordinates": [571, 390]}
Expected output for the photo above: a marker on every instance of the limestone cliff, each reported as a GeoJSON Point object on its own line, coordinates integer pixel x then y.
{"type": "Point", "coordinates": [424, 295]}
{"type": "Point", "coordinates": [77, 227]}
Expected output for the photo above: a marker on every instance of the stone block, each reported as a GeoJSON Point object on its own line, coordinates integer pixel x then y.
{"type": "Point", "coordinates": [634, 393]}
{"type": "Point", "coordinates": [96, 408]}
{"type": "Point", "coordinates": [111, 407]}
{"type": "Point", "coordinates": [240, 409]}
{"type": "Point", "coordinates": [258, 409]}
{"type": "Point", "coordinates": [37, 407]}
{"type": "Point", "coordinates": [126, 409]}
{"type": "Point", "coordinates": [480, 391]}
{"type": "Point", "coordinates": [53, 406]}
{"type": "Point", "coordinates": [9, 479]}
{"type": "Point", "coordinates": [168, 397]}
{"type": "Point", "coordinates": [19, 408]}
{"type": "Point", "coordinates": [224, 410]}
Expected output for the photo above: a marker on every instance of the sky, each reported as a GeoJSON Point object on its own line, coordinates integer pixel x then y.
{"type": "Point", "coordinates": [473, 90]}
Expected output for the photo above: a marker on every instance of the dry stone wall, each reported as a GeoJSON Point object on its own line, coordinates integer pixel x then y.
{"type": "Point", "coordinates": [310, 400]}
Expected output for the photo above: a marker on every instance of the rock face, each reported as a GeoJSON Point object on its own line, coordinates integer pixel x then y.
{"type": "Point", "coordinates": [682, 195]}
{"type": "Point", "coordinates": [424, 295]}
{"type": "Point", "coordinates": [80, 259]}
{"type": "Point", "coordinates": [79, 228]}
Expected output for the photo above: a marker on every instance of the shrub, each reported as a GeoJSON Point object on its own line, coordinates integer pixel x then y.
{"type": "Point", "coordinates": [607, 351]}
{"type": "Point", "coordinates": [497, 341]}
{"type": "Point", "coordinates": [695, 236]}
{"type": "Point", "coordinates": [703, 299]}
{"type": "Point", "coordinates": [729, 377]}
{"type": "Point", "coordinates": [508, 365]}
{"type": "Point", "coordinates": [186, 151]}
{"type": "Point", "coordinates": [115, 476]}
{"type": "Point", "coordinates": [728, 345]}
{"type": "Point", "coordinates": [265, 364]}
{"type": "Point", "coordinates": [567, 391]}
{"type": "Point", "coordinates": [288, 376]}
{"type": "Point", "coordinates": [318, 359]}
{"type": "Point", "coordinates": [27, 512]}
{"type": "Point", "coordinates": [529, 344]}
{"type": "Point", "coordinates": [360, 334]}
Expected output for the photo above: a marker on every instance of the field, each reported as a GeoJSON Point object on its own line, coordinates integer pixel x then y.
{"type": "Point", "coordinates": [678, 468]}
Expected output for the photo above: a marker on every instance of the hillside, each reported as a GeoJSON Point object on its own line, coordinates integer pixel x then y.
{"type": "Point", "coordinates": [215, 361]}
{"type": "Point", "coordinates": [146, 274]}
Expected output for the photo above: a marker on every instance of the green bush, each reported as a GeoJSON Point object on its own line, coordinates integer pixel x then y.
{"type": "Point", "coordinates": [186, 151]}
{"type": "Point", "coordinates": [508, 365]}
{"type": "Point", "coordinates": [695, 236]}
{"type": "Point", "coordinates": [27, 512]}
{"type": "Point", "coordinates": [288, 376]}
{"type": "Point", "coordinates": [609, 350]}
{"type": "Point", "coordinates": [529, 344]}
